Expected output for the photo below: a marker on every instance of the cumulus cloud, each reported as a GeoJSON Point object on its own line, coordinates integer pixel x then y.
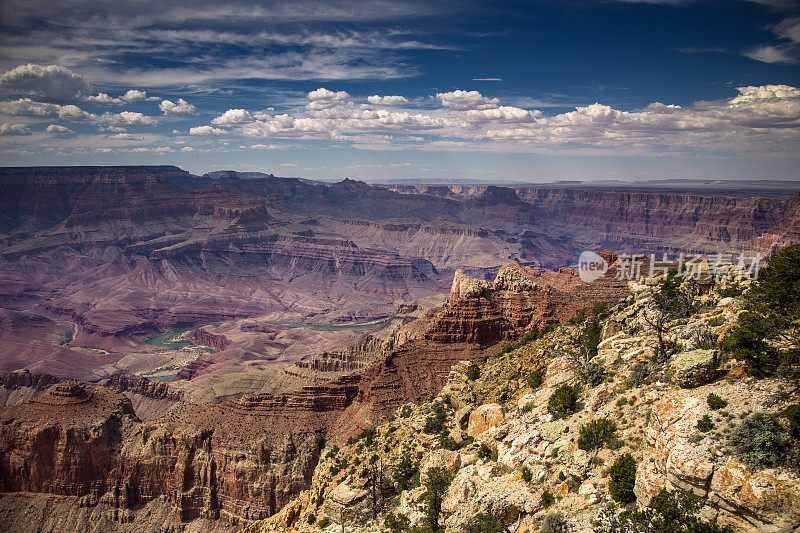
{"type": "Point", "coordinates": [127, 137]}
{"type": "Point", "coordinates": [323, 98]}
{"type": "Point", "coordinates": [14, 129]}
{"type": "Point", "coordinates": [206, 130]}
{"type": "Point", "coordinates": [324, 94]}
{"type": "Point", "coordinates": [181, 108]}
{"type": "Point", "coordinates": [58, 129]}
{"type": "Point", "coordinates": [135, 95]}
{"type": "Point", "coordinates": [467, 100]}
{"type": "Point", "coordinates": [387, 100]}
{"type": "Point", "coordinates": [127, 118]}
{"type": "Point", "coordinates": [51, 82]}
{"type": "Point", "coordinates": [30, 108]}
{"type": "Point", "coordinates": [103, 98]}
{"type": "Point", "coordinates": [232, 117]}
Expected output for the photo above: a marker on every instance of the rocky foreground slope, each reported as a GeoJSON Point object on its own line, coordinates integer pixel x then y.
{"type": "Point", "coordinates": [242, 460]}
{"type": "Point", "coordinates": [504, 460]}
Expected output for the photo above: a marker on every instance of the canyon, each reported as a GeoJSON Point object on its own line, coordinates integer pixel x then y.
{"type": "Point", "coordinates": [303, 313]}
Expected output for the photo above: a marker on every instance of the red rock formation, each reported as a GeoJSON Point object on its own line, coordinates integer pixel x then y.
{"type": "Point", "coordinates": [205, 338]}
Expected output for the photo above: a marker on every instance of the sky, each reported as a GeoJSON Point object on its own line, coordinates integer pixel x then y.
{"type": "Point", "coordinates": [532, 91]}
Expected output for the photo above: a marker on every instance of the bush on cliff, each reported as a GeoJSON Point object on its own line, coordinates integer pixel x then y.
{"type": "Point", "coordinates": [406, 473]}
{"type": "Point", "coordinates": [672, 300]}
{"type": "Point", "coordinates": [771, 318]}
{"type": "Point", "coordinates": [396, 523]}
{"type": "Point", "coordinates": [792, 413]}
{"type": "Point", "coordinates": [437, 481]}
{"type": "Point", "coordinates": [564, 401]}
{"type": "Point", "coordinates": [486, 523]}
{"type": "Point", "coordinates": [760, 441]}
{"type": "Point", "coordinates": [596, 434]}
{"type": "Point", "coordinates": [669, 512]}
{"type": "Point", "coordinates": [437, 420]}
{"type": "Point", "coordinates": [535, 378]}
{"type": "Point", "coordinates": [553, 523]}
{"type": "Point", "coordinates": [473, 372]}
{"type": "Point", "coordinates": [623, 479]}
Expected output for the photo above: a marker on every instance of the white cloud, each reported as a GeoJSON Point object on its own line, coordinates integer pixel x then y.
{"type": "Point", "coordinates": [103, 98]}
{"type": "Point", "coordinates": [181, 108]}
{"type": "Point", "coordinates": [52, 82]}
{"type": "Point", "coordinates": [324, 94]}
{"type": "Point", "coordinates": [135, 95]}
{"type": "Point", "coordinates": [127, 137]}
{"type": "Point", "coordinates": [789, 29]}
{"type": "Point", "coordinates": [127, 118]}
{"type": "Point", "coordinates": [58, 129]}
{"type": "Point", "coordinates": [770, 54]}
{"type": "Point", "coordinates": [153, 149]}
{"type": "Point", "coordinates": [14, 129]}
{"type": "Point", "coordinates": [387, 100]}
{"type": "Point", "coordinates": [206, 130]}
{"type": "Point", "coordinates": [30, 108]}
{"type": "Point", "coordinates": [232, 117]}
{"type": "Point", "coordinates": [467, 100]}
{"type": "Point", "coordinates": [322, 98]}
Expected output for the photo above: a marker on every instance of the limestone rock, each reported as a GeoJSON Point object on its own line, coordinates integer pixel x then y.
{"type": "Point", "coordinates": [449, 460]}
{"type": "Point", "coordinates": [484, 417]}
{"type": "Point", "coordinates": [764, 501]}
{"type": "Point", "coordinates": [695, 367]}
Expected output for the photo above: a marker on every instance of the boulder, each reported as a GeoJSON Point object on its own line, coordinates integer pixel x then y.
{"type": "Point", "coordinates": [345, 502]}
{"type": "Point", "coordinates": [483, 418]}
{"type": "Point", "coordinates": [449, 460]}
{"type": "Point", "coordinates": [695, 367]}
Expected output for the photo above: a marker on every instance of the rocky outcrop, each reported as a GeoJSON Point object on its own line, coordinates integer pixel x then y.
{"type": "Point", "coordinates": [157, 390]}
{"type": "Point", "coordinates": [205, 338]}
{"type": "Point", "coordinates": [695, 367]}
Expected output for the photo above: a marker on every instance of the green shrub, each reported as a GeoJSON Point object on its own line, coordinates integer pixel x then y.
{"type": "Point", "coordinates": [564, 401]}
{"type": "Point", "coordinates": [792, 413]}
{"type": "Point", "coordinates": [715, 402]}
{"type": "Point", "coordinates": [596, 434]}
{"type": "Point", "coordinates": [312, 518]}
{"type": "Point", "coordinates": [436, 483]}
{"type": "Point", "coordinates": [535, 378]}
{"type": "Point", "coordinates": [669, 512]}
{"type": "Point", "coordinates": [473, 372]}
{"type": "Point", "coordinates": [623, 478]}
{"type": "Point", "coordinates": [526, 474]}
{"type": "Point", "coordinates": [547, 499]}
{"type": "Point", "coordinates": [405, 411]}
{"type": "Point", "coordinates": [770, 317]}
{"type": "Point", "coordinates": [436, 421]}
{"type": "Point", "coordinates": [484, 452]}
{"type": "Point", "coordinates": [638, 376]}
{"type": "Point", "coordinates": [396, 523]}
{"type": "Point", "coordinates": [485, 523]}
{"type": "Point", "coordinates": [553, 523]}
{"type": "Point", "coordinates": [591, 374]}
{"type": "Point", "coordinates": [578, 317]}
{"type": "Point", "coordinates": [368, 435]}
{"type": "Point", "coordinates": [528, 407]}
{"type": "Point", "coordinates": [705, 424]}
{"type": "Point", "coordinates": [759, 441]}
{"type": "Point", "coordinates": [406, 473]}
{"type": "Point", "coordinates": [592, 335]}
{"type": "Point", "coordinates": [325, 522]}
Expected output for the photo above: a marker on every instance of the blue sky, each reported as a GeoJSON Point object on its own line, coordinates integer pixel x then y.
{"type": "Point", "coordinates": [524, 91]}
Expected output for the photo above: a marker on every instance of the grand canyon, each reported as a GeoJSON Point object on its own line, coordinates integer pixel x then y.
{"type": "Point", "coordinates": [182, 352]}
